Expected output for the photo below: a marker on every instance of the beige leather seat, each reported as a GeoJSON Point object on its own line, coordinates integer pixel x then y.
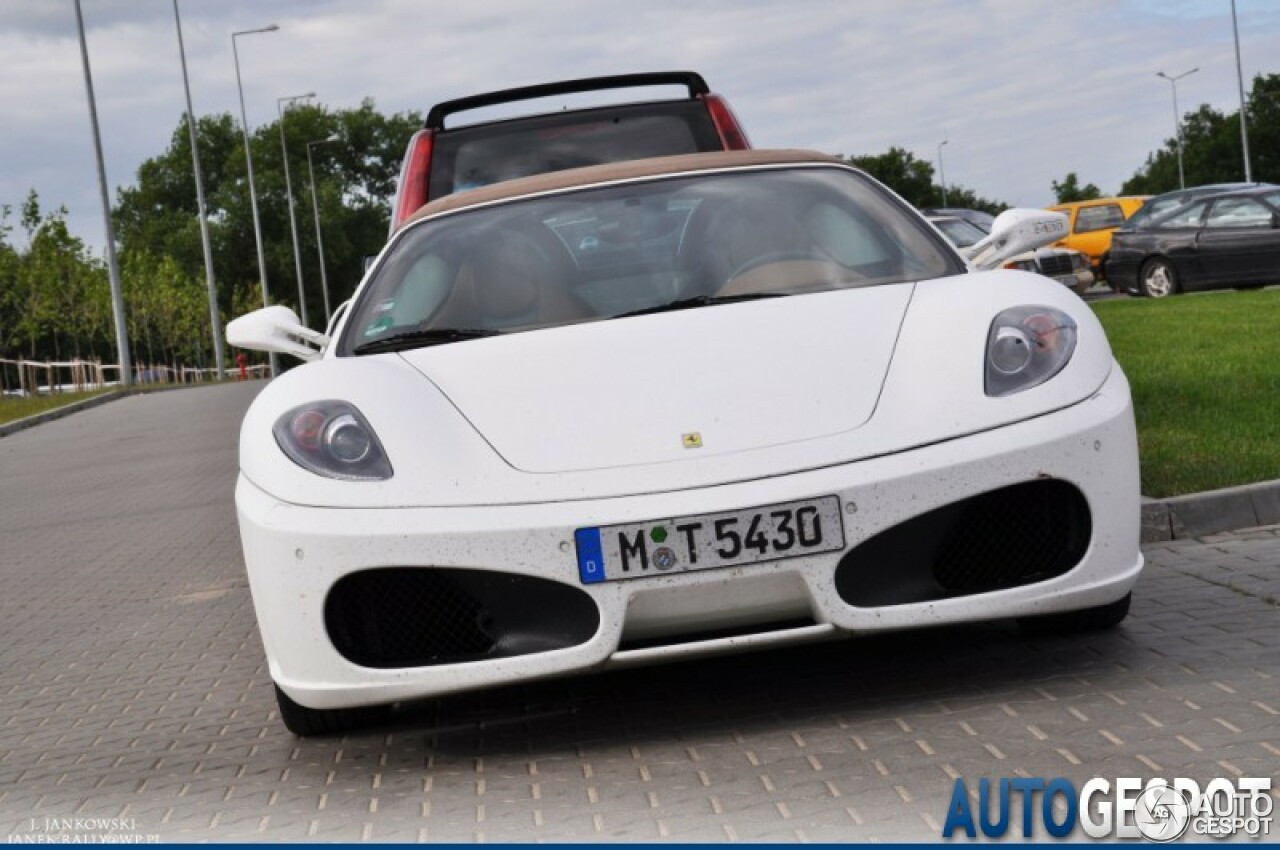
{"type": "Point", "coordinates": [509, 283]}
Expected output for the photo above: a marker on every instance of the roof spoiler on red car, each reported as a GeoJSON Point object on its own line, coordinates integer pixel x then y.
{"type": "Point", "coordinates": [690, 79]}
{"type": "Point", "coordinates": [415, 170]}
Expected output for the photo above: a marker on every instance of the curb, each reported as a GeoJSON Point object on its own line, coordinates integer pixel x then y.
{"type": "Point", "coordinates": [1210, 512]}
{"type": "Point", "coordinates": [75, 407]}
{"type": "Point", "coordinates": [58, 412]}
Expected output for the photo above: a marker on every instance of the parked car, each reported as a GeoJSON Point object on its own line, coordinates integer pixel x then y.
{"type": "Point", "coordinates": [442, 160]}
{"type": "Point", "coordinates": [1169, 201]}
{"type": "Point", "coordinates": [1092, 223]}
{"type": "Point", "coordinates": [645, 410]}
{"type": "Point", "coordinates": [1070, 268]}
{"type": "Point", "coordinates": [979, 218]}
{"type": "Point", "coordinates": [1213, 242]}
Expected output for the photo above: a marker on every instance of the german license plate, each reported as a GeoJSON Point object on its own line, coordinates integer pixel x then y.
{"type": "Point", "coordinates": [710, 541]}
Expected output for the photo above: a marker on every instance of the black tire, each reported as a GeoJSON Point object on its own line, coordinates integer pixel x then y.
{"type": "Point", "coordinates": [306, 722]}
{"type": "Point", "coordinates": [1158, 278]}
{"type": "Point", "coordinates": [1073, 622]}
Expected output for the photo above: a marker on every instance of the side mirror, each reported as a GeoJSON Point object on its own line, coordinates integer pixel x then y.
{"type": "Point", "coordinates": [1015, 232]}
{"type": "Point", "coordinates": [276, 329]}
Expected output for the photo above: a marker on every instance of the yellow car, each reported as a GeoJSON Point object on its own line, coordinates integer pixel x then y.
{"type": "Point", "coordinates": [1093, 222]}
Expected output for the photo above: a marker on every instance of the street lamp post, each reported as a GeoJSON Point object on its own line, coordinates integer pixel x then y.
{"type": "Point", "coordinates": [1177, 118]}
{"type": "Point", "coordinates": [315, 209]}
{"type": "Point", "coordinates": [253, 193]}
{"type": "Point", "coordinates": [281, 108]}
{"type": "Point", "coordinates": [214, 321]}
{"type": "Point", "coordinates": [113, 265]}
{"type": "Point", "coordinates": [942, 174]}
{"type": "Point", "coordinates": [1244, 129]}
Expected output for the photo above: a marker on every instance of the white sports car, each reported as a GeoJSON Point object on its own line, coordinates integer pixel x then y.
{"type": "Point", "coordinates": [676, 406]}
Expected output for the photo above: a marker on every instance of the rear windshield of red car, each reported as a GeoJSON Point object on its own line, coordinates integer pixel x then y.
{"type": "Point", "coordinates": [470, 157]}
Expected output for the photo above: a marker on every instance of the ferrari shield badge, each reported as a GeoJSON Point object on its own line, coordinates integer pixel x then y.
{"type": "Point", "coordinates": [692, 440]}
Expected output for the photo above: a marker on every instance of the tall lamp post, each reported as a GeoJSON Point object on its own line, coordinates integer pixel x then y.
{"type": "Point", "coordinates": [281, 108]}
{"type": "Point", "coordinates": [113, 265]}
{"type": "Point", "coordinates": [1244, 129]}
{"type": "Point", "coordinates": [214, 321]}
{"type": "Point", "coordinates": [1177, 119]}
{"type": "Point", "coordinates": [253, 192]}
{"type": "Point", "coordinates": [315, 209]}
{"type": "Point", "coordinates": [942, 174]}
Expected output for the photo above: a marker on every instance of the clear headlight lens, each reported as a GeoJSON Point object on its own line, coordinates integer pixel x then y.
{"type": "Point", "coordinates": [1079, 261]}
{"type": "Point", "coordinates": [332, 439]}
{"type": "Point", "coordinates": [1027, 346]}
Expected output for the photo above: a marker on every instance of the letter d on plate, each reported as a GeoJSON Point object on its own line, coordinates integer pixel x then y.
{"type": "Point", "coordinates": [590, 556]}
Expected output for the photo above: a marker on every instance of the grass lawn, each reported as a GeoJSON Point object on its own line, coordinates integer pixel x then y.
{"type": "Point", "coordinates": [1205, 371]}
{"type": "Point", "coordinates": [16, 408]}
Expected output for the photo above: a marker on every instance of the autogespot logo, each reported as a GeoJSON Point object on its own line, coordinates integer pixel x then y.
{"type": "Point", "coordinates": [1156, 809]}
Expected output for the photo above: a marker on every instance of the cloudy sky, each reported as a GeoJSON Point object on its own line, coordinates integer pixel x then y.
{"type": "Point", "coordinates": [1023, 90]}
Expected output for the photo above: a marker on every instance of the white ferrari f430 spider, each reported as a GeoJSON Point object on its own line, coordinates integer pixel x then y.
{"type": "Point", "coordinates": [661, 408]}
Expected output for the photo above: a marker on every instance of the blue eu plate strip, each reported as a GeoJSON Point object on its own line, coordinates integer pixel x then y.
{"type": "Point", "coordinates": [590, 555]}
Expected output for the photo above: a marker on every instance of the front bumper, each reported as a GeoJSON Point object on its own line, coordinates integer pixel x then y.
{"type": "Point", "coordinates": [294, 555]}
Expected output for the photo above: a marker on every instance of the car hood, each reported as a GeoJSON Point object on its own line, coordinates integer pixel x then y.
{"type": "Point", "coordinates": [773, 387]}
{"type": "Point", "coordinates": [677, 386]}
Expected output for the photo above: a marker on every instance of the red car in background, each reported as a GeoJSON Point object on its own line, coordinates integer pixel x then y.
{"type": "Point", "coordinates": [442, 160]}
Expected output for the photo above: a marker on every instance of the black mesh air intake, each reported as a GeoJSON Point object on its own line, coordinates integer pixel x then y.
{"type": "Point", "coordinates": [420, 616]}
{"type": "Point", "coordinates": [1014, 536]}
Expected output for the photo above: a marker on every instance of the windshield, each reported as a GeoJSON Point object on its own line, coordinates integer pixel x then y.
{"type": "Point", "coordinates": [963, 233]}
{"type": "Point", "coordinates": [640, 247]}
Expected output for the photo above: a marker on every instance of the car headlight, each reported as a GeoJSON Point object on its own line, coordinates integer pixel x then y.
{"type": "Point", "coordinates": [1079, 261]}
{"type": "Point", "coordinates": [332, 439]}
{"type": "Point", "coordinates": [1027, 346]}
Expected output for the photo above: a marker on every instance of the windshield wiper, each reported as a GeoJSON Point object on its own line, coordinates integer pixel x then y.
{"type": "Point", "coordinates": [421, 339]}
{"type": "Point", "coordinates": [700, 301]}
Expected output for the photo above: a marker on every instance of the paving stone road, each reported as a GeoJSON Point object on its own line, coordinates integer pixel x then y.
{"type": "Point", "coordinates": [133, 686]}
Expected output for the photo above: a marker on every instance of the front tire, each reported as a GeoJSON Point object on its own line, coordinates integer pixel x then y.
{"type": "Point", "coordinates": [307, 722]}
{"type": "Point", "coordinates": [1074, 622]}
{"type": "Point", "coordinates": [1158, 279]}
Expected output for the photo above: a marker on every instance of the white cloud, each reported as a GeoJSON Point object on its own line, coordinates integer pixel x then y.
{"type": "Point", "coordinates": [1024, 90]}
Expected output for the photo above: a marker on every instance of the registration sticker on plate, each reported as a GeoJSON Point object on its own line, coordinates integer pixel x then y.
{"type": "Point", "coordinates": [710, 541]}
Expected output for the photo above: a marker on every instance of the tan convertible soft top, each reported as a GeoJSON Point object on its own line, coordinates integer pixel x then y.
{"type": "Point", "coordinates": [626, 170]}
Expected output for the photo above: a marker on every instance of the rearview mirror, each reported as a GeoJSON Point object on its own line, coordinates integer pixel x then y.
{"type": "Point", "coordinates": [276, 329]}
{"type": "Point", "coordinates": [1015, 232]}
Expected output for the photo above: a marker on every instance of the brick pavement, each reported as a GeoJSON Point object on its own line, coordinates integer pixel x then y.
{"type": "Point", "coordinates": [133, 686]}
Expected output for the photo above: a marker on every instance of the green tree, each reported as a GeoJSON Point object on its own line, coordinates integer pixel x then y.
{"type": "Point", "coordinates": [9, 265]}
{"type": "Point", "coordinates": [54, 295]}
{"type": "Point", "coordinates": [51, 287]}
{"type": "Point", "coordinates": [1070, 190]}
{"type": "Point", "coordinates": [913, 179]}
{"type": "Point", "coordinates": [168, 315]}
{"type": "Point", "coordinates": [1211, 148]}
{"type": "Point", "coordinates": [355, 175]}
{"type": "Point", "coordinates": [900, 170]}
